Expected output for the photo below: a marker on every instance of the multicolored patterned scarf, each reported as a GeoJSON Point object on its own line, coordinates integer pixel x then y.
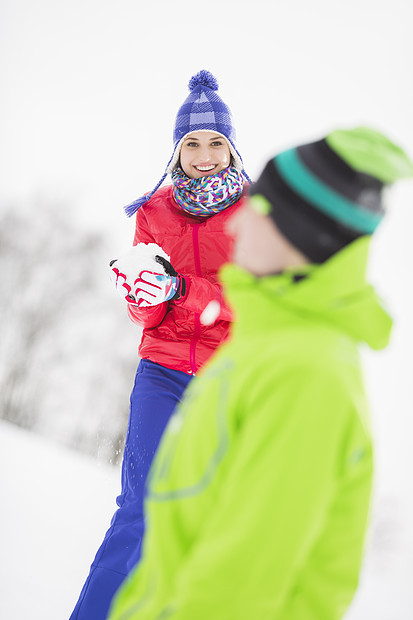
{"type": "Point", "coordinates": [207, 195]}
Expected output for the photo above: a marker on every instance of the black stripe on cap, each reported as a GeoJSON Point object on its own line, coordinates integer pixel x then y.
{"type": "Point", "coordinates": [330, 168]}
{"type": "Point", "coordinates": [315, 234]}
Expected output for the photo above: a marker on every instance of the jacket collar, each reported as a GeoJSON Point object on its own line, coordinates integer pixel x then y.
{"type": "Point", "coordinates": [335, 292]}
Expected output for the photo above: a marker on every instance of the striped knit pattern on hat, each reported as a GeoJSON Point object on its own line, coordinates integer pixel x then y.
{"type": "Point", "coordinates": [202, 110]}
{"type": "Point", "coordinates": [319, 201]}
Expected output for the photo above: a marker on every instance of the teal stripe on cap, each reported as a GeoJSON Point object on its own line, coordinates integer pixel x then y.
{"type": "Point", "coordinates": [326, 199]}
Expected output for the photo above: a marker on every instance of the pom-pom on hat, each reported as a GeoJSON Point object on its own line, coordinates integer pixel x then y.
{"type": "Point", "coordinates": [202, 110]}
{"type": "Point", "coordinates": [324, 195]}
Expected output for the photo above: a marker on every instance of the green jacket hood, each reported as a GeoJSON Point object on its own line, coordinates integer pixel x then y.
{"type": "Point", "coordinates": [336, 292]}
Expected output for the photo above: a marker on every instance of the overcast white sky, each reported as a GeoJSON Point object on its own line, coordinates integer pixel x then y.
{"type": "Point", "coordinates": [90, 88]}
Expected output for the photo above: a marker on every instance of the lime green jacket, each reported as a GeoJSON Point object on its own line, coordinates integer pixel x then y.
{"type": "Point", "coordinates": [259, 494]}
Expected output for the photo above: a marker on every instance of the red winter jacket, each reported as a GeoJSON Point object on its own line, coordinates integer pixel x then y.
{"type": "Point", "coordinates": [173, 335]}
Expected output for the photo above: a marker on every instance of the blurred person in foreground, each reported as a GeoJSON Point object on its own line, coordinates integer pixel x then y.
{"type": "Point", "coordinates": [258, 498]}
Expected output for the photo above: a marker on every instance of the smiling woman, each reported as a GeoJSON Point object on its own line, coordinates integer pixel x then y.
{"type": "Point", "coordinates": [204, 153]}
{"type": "Point", "coordinates": [183, 227]}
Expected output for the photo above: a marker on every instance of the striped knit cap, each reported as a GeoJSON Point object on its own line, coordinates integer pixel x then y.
{"type": "Point", "coordinates": [324, 195]}
{"type": "Point", "coordinates": [202, 110]}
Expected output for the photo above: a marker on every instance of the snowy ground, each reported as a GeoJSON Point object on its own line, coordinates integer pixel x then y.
{"type": "Point", "coordinates": [56, 507]}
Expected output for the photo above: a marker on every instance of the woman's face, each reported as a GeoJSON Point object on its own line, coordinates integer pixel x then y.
{"type": "Point", "coordinates": [204, 153]}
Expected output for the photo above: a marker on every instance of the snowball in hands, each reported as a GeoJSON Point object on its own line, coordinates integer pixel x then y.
{"type": "Point", "coordinates": [140, 279]}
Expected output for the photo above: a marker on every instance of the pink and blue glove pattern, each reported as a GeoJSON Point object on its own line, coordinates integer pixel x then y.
{"type": "Point", "coordinates": [151, 289]}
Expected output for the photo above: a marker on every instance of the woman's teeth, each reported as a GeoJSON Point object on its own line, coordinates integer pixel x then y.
{"type": "Point", "coordinates": [205, 168]}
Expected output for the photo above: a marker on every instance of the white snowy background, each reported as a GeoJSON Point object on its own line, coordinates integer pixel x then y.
{"type": "Point", "coordinates": [89, 93]}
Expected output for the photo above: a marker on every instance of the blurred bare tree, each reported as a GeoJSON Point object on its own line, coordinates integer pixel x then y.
{"type": "Point", "coordinates": [68, 352]}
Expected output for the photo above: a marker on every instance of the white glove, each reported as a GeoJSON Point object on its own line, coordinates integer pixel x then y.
{"type": "Point", "coordinates": [144, 276]}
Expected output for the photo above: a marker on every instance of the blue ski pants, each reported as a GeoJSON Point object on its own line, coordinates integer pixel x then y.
{"type": "Point", "coordinates": [156, 393]}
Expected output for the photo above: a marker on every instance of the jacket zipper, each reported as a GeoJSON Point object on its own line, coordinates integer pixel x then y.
{"type": "Point", "coordinates": [197, 331]}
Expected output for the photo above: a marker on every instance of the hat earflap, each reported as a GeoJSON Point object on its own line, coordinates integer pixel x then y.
{"type": "Point", "coordinates": [134, 206]}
